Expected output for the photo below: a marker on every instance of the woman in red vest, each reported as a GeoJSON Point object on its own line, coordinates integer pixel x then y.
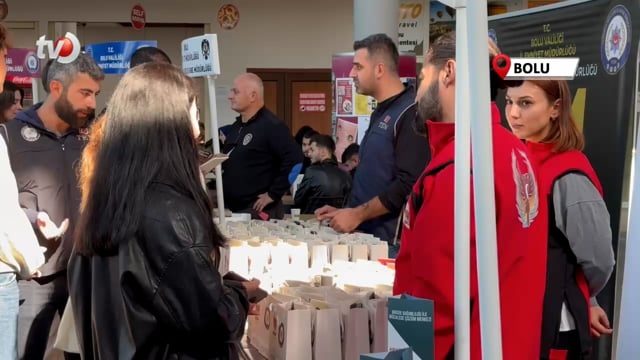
{"type": "Point", "coordinates": [580, 255]}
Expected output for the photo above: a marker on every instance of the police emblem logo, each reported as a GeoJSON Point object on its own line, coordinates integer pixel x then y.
{"type": "Point", "coordinates": [615, 44]}
{"type": "Point", "coordinates": [526, 188]}
{"type": "Point", "coordinates": [83, 134]}
{"type": "Point", "coordinates": [247, 139]}
{"type": "Point", "coordinates": [29, 134]}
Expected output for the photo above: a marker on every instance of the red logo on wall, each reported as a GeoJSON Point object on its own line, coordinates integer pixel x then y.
{"type": "Point", "coordinates": [138, 17]}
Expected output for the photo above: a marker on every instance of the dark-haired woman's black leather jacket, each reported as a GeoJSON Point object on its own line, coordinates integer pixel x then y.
{"type": "Point", "coordinates": [161, 296]}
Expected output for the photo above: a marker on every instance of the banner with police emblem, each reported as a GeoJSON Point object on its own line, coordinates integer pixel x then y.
{"type": "Point", "coordinates": [604, 36]}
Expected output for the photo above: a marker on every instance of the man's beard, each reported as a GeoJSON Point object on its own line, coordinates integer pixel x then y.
{"type": "Point", "coordinates": [429, 106]}
{"type": "Point", "coordinates": [68, 114]}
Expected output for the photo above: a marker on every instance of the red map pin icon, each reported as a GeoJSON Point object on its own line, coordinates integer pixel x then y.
{"type": "Point", "coordinates": [501, 64]}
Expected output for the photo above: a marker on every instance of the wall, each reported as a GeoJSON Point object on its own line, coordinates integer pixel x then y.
{"type": "Point", "coordinates": [270, 34]}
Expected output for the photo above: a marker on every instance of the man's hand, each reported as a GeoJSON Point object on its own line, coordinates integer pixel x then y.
{"type": "Point", "coordinates": [599, 322]}
{"type": "Point", "coordinates": [323, 212]}
{"type": "Point", "coordinates": [48, 228]}
{"type": "Point", "coordinates": [262, 202]}
{"type": "Point", "coordinates": [222, 137]}
{"type": "Point", "coordinates": [344, 220]}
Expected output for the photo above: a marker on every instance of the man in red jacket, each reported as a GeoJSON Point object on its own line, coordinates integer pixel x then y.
{"type": "Point", "coordinates": [424, 267]}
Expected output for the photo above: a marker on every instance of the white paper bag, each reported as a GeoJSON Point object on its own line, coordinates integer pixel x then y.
{"type": "Point", "coordinates": [67, 338]}
{"type": "Point", "coordinates": [378, 250]}
{"type": "Point", "coordinates": [378, 324]}
{"type": "Point", "coordinates": [291, 333]}
{"type": "Point", "coordinates": [239, 258]}
{"type": "Point", "coordinates": [359, 252]}
{"type": "Point", "coordinates": [327, 331]}
{"type": "Point", "coordinates": [319, 255]}
{"type": "Point", "coordinates": [299, 260]}
{"type": "Point", "coordinates": [261, 327]}
{"type": "Point", "coordinates": [339, 252]}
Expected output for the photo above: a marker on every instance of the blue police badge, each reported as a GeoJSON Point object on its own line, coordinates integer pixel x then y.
{"type": "Point", "coordinates": [32, 64]}
{"type": "Point", "coordinates": [616, 40]}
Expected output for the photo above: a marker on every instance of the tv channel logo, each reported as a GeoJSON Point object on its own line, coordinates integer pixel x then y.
{"type": "Point", "coordinates": [65, 50]}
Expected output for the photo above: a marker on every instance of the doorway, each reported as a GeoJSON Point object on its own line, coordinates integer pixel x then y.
{"type": "Point", "coordinates": [299, 97]}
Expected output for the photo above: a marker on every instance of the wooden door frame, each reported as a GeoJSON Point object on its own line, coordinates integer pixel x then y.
{"type": "Point", "coordinates": [288, 76]}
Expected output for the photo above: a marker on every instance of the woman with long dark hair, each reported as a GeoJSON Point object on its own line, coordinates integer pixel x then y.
{"type": "Point", "coordinates": [11, 101]}
{"type": "Point", "coordinates": [143, 278]}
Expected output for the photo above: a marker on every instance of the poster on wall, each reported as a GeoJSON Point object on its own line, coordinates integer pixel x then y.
{"type": "Point", "coordinates": [312, 102]}
{"type": "Point", "coordinates": [604, 37]}
{"type": "Point", "coordinates": [344, 96]}
{"type": "Point", "coordinates": [363, 125]}
{"type": "Point", "coordinates": [23, 63]}
{"type": "Point", "coordinates": [23, 66]}
{"type": "Point", "coordinates": [442, 19]}
{"type": "Point", "coordinates": [346, 133]}
{"type": "Point", "coordinates": [364, 105]}
{"type": "Point", "coordinates": [351, 111]}
{"type": "Point", "coordinates": [413, 26]}
{"type": "Point", "coordinates": [114, 57]}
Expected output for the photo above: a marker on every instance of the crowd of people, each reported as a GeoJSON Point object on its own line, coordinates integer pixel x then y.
{"type": "Point", "coordinates": [107, 217]}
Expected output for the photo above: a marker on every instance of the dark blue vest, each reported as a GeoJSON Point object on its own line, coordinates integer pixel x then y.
{"type": "Point", "coordinates": [377, 170]}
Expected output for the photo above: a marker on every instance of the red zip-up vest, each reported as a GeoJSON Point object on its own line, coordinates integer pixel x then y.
{"type": "Point", "coordinates": [565, 279]}
{"type": "Point", "coordinates": [425, 263]}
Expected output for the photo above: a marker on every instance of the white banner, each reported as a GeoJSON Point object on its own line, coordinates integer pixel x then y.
{"type": "Point", "coordinates": [413, 26]}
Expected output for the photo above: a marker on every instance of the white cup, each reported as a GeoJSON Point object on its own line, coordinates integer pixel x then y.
{"type": "Point", "coordinates": [295, 214]}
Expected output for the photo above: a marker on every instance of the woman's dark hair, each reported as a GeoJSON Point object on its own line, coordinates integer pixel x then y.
{"type": "Point", "coordinates": [8, 95]}
{"type": "Point", "coordinates": [301, 133]}
{"type": "Point", "coordinates": [147, 136]}
{"type": "Point", "coordinates": [8, 98]}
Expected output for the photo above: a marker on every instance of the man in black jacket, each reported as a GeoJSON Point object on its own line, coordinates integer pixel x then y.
{"type": "Point", "coordinates": [261, 152]}
{"type": "Point", "coordinates": [45, 144]}
{"type": "Point", "coordinates": [324, 183]}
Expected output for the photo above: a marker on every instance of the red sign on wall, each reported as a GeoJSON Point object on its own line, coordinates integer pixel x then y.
{"type": "Point", "coordinates": [312, 102]}
{"type": "Point", "coordinates": [138, 17]}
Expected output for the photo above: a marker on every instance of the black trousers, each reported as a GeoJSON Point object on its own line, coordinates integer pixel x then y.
{"type": "Point", "coordinates": [39, 305]}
